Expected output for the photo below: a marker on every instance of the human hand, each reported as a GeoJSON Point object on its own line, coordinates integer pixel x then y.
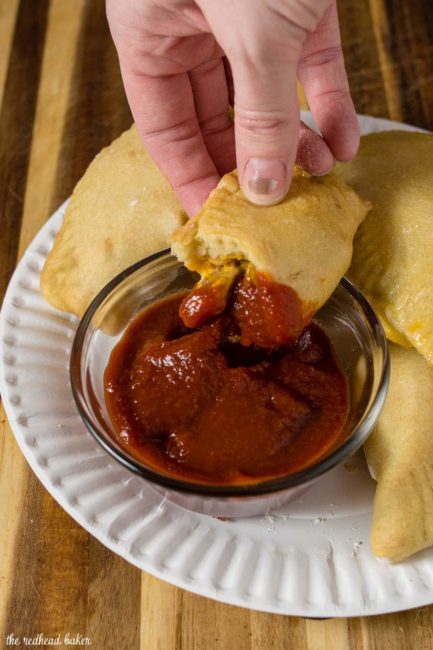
{"type": "Point", "coordinates": [171, 58]}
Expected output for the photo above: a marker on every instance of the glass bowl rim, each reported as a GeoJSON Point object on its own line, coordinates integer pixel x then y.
{"type": "Point", "coordinates": [301, 477]}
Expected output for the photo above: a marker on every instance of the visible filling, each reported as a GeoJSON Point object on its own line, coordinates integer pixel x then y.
{"type": "Point", "coordinates": [198, 404]}
{"type": "Point", "coordinates": [268, 314]}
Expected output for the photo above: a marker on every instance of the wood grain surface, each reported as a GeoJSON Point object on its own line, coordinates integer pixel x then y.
{"type": "Point", "coordinates": [61, 101]}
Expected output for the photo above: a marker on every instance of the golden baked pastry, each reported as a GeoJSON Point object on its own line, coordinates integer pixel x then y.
{"type": "Point", "coordinates": [304, 242]}
{"type": "Point", "coordinates": [400, 456]}
{"type": "Point", "coordinates": [122, 210]}
{"type": "Point", "coordinates": [393, 249]}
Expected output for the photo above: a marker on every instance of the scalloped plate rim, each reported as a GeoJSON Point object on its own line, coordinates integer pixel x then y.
{"type": "Point", "coordinates": [328, 609]}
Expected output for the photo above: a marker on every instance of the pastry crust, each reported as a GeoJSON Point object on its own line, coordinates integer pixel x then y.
{"type": "Point", "coordinates": [393, 249]}
{"type": "Point", "coordinates": [400, 456]}
{"type": "Point", "coordinates": [304, 242]}
{"type": "Point", "coordinates": [122, 210]}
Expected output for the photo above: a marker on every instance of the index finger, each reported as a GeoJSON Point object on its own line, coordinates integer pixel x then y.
{"type": "Point", "coordinates": [164, 111]}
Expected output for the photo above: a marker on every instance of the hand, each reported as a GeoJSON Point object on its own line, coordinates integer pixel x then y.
{"type": "Point", "coordinates": [171, 58]}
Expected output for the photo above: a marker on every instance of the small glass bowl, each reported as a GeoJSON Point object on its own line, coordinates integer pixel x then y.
{"type": "Point", "coordinates": [348, 320]}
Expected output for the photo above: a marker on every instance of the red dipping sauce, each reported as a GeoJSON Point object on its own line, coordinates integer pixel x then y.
{"type": "Point", "coordinates": [199, 406]}
{"type": "Point", "coordinates": [268, 314]}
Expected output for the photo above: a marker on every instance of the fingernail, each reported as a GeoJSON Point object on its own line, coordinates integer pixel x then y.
{"type": "Point", "coordinates": [265, 180]}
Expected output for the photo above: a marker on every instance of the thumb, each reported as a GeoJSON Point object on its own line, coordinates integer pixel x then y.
{"type": "Point", "coordinates": [266, 129]}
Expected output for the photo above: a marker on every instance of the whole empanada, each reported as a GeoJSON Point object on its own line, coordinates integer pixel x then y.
{"type": "Point", "coordinates": [122, 210]}
{"type": "Point", "coordinates": [400, 457]}
{"type": "Point", "coordinates": [393, 249]}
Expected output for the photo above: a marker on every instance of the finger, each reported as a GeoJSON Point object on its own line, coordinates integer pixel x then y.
{"type": "Point", "coordinates": [266, 128]}
{"type": "Point", "coordinates": [209, 88]}
{"type": "Point", "coordinates": [313, 153]}
{"type": "Point", "coordinates": [323, 76]}
{"type": "Point", "coordinates": [163, 108]}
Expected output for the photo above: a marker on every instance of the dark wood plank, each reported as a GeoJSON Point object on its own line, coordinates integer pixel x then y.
{"type": "Point", "coordinates": [98, 111]}
{"type": "Point", "coordinates": [411, 45]}
{"type": "Point", "coordinates": [362, 57]}
{"type": "Point", "coordinates": [16, 124]}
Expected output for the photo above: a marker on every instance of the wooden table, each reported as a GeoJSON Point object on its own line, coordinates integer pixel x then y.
{"type": "Point", "coordinates": [61, 101]}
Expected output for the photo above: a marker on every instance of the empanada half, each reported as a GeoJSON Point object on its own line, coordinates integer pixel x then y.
{"type": "Point", "coordinates": [304, 242]}
{"type": "Point", "coordinates": [400, 455]}
{"type": "Point", "coordinates": [393, 249]}
{"type": "Point", "coordinates": [121, 210]}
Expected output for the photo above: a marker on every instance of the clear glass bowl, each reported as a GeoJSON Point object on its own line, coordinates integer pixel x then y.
{"type": "Point", "coordinates": [348, 320]}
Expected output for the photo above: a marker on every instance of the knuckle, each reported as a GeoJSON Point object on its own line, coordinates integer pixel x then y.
{"type": "Point", "coordinates": [334, 95]}
{"type": "Point", "coordinates": [322, 57]}
{"type": "Point", "coordinates": [261, 124]}
{"type": "Point", "coordinates": [181, 131]}
{"type": "Point", "coordinates": [215, 124]}
{"type": "Point", "coordinates": [181, 181]}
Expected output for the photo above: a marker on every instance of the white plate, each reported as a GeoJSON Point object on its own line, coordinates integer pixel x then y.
{"type": "Point", "coordinates": [312, 558]}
